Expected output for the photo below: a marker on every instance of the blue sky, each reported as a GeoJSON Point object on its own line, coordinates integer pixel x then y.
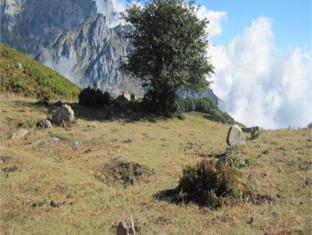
{"type": "Point", "coordinates": [291, 20]}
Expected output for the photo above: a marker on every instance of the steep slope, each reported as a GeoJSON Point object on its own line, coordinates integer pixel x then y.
{"type": "Point", "coordinates": [23, 75]}
{"type": "Point", "coordinates": [90, 54]}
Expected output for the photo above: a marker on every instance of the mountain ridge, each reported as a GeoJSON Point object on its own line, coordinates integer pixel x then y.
{"type": "Point", "coordinates": [78, 41]}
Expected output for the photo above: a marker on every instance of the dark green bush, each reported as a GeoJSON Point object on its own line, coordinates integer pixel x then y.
{"type": "Point", "coordinates": [210, 184]}
{"type": "Point", "coordinates": [94, 97]}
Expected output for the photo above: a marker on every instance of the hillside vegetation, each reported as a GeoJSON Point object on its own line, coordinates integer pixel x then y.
{"type": "Point", "coordinates": [21, 74]}
{"type": "Point", "coordinates": [85, 178]}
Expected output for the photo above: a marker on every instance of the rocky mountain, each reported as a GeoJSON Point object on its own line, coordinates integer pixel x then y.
{"type": "Point", "coordinates": [78, 38]}
{"type": "Point", "coordinates": [74, 37]}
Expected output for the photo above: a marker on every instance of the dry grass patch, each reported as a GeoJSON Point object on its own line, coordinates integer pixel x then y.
{"type": "Point", "coordinates": [55, 171]}
{"type": "Point", "coordinates": [124, 172]}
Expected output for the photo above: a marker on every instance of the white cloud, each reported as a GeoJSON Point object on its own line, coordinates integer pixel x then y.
{"type": "Point", "coordinates": [258, 90]}
{"type": "Point", "coordinates": [215, 19]}
{"type": "Point", "coordinates": [111, 9]}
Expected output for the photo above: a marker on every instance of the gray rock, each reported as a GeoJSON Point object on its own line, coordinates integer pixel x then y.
{"type": "Point", "coordinates": [46, 124]}
{"type": "Point", "coordinates": [126, 227]}
{"type": "Point", "coordinates": [63, 115]}
{"type": "Point", "coordinates": [19, 134]}
{"type": "Point", "coordinates": [19, 66]}
{"type": "Point", "coordinates": [235, 136]}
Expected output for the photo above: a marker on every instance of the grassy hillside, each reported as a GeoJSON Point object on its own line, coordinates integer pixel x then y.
{"type": "Point", "coordinates": [50, 187]}
{"type": "Point", "coordinates": [33, 79]}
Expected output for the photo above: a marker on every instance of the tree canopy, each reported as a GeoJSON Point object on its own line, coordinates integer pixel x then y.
{"type": "Point", "coordinates": [169, 50]}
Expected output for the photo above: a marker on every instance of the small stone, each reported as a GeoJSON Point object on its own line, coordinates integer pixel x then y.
{"type": "Point", "coordinates": [46, 124]}
{"type": "Point", "coordinates": [63, 114]}
{"type": "Point", "coordinates": [235, 136]}
{"type": "Point", "coordinates": [19, 134]}
{"type": "Point", "coordinates": [126, 227]}
{"type": "Point", "coordinates": [19, 66]}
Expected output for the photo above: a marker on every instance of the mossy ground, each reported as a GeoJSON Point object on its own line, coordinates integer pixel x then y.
{"type": "Point", "coordinates": [50, 187]}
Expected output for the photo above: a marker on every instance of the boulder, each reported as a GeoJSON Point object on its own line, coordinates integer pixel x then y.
{"type": "Point", "coordinates": [46, 124]}
{"type": "Point", "coordinates": [19, 134]}
{"type": "Point", "coordinates": [126, 227]}
{"type": "Point", "coordinates": [235, 136]}
{"type": "Point", "coordinates": [63, 115]}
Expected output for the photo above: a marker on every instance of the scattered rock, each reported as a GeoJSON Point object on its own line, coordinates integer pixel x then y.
{"type": "Point", "coordinates": [126, 227]}
{"type": "Point", "coordinates": [46, 124]}
{"type": "Point", "coordinates": [19, 66]}
{"type": "Point", "coordinates": [127, 141]}
{"type": "Point", "coordinates": [52, 203]}
{"type": "Point", "coordinates": [19, 134]}
{"type": "Point", "coordinates": [63, 115]}
{"type": "Point", "coordinates": [37, 204]}
{"type": "Point", "coordinates": [56, 204]}
{"type": "Point", "coordinates": [55, 138]}
{"type": "Point", "coordinates": [235, 136]}
{"type": "Point", "coordinates": [76, 142]}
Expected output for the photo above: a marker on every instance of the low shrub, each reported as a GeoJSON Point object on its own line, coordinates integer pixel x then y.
{"type": "Point", "coordinates": [233, 153]}
{"type": "Point", "coordinates": [254, 133]}
{"type": "Point", "coordinates": [94, 97]}
{"type": "Point", "coordinates": [210, 183]}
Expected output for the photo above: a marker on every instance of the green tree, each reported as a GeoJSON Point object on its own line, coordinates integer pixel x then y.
{"type": "Point", "coordinates": [170, 51]}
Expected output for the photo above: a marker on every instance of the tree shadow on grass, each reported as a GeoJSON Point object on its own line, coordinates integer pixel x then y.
{"type": "Point", "coordinates": [130, 112]}
{"type": "Point", "coordinates": [169, 195]}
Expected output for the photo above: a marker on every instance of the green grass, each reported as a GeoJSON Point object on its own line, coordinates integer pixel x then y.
{"type": "Point", "coordinates": [34, 79]}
